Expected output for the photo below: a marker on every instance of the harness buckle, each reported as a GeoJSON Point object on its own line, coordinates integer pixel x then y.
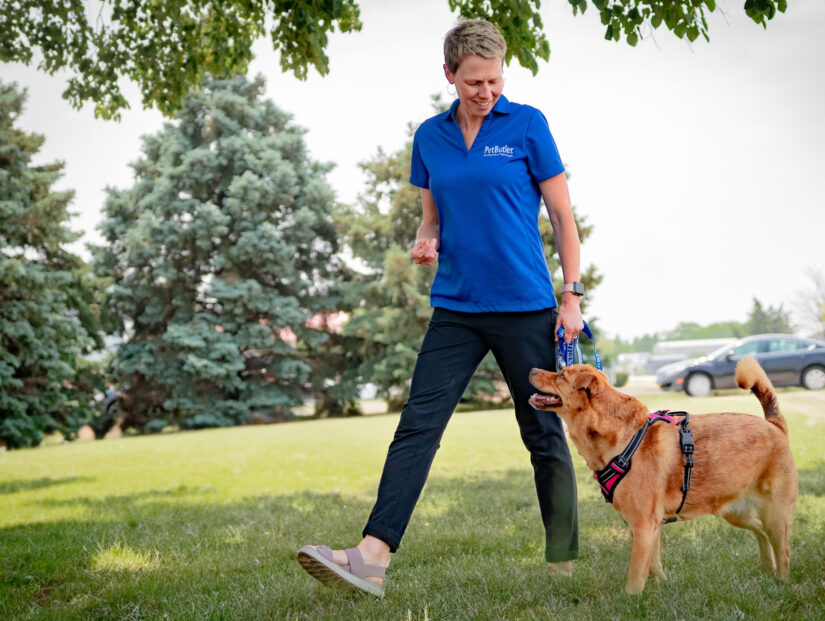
{"type": "Point", "coordinates": [622, 462]}
{"type": "Point", "coordinates": [686, 440]}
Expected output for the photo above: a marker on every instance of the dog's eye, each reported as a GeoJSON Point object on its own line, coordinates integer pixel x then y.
{"type": "Point", "coordinates": [592, 434]}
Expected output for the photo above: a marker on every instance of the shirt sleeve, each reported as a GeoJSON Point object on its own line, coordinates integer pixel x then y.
{"type": "Point", "coordinates": [543, 159]}
{"type": "Point", "coordinates": [419, 175]}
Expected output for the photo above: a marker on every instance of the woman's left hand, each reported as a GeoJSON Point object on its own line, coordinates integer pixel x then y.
{"type": "Point", "coordinates": [570, 317]}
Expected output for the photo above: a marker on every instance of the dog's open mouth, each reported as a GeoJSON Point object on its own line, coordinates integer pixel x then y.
{"type": "Point", "coordinates": [542, 401]}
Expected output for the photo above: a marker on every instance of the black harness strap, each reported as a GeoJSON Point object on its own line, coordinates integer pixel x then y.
{"type": "Point", "coordinates": [609, 476]}
{"type": "Point", "coordinates": [687, 446]}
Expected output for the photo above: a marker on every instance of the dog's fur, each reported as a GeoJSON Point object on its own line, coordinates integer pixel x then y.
{"type": "Point", "coordinates": [743, 472]}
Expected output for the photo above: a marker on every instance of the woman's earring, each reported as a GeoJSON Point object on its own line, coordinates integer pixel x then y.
{"type": "Point", "coordinates": [448, 91]}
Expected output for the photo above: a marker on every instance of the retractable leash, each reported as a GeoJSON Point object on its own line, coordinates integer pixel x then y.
{"type": "Point", "coordinates": [571, 353]}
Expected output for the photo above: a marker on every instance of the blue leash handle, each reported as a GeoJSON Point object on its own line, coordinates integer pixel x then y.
{"type": "Point", "coordinates": [571, 353]}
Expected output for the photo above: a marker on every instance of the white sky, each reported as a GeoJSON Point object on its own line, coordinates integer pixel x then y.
{"type": "Point", "coordinates": [701, 167]}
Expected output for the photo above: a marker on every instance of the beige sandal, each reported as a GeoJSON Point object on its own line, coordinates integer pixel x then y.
{"type": "Point", "coordinates": [318, 563]}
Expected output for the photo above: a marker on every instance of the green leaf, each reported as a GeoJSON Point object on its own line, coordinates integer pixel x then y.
{"type": "Point", "coordinates": [693, 33]}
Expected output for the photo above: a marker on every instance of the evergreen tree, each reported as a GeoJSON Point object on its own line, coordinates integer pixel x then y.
{"type": "Point", "coordinates": [47, 297]}
{"type": "Point", "coordinates": [763, 320]}
{"type": "Point", "coordinates": [388, 295]}
{"type": "Point", "coordinates": [221, 253]}
{"type": "Point", "coordinates": [690, 330]}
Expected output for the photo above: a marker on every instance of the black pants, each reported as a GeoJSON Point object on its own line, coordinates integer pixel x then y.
{"type": "Point", "coordinates": [453, 347]}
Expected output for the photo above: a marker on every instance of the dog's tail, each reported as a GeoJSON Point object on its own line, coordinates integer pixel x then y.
{"type": "Point", "coordinates": [751, 376]}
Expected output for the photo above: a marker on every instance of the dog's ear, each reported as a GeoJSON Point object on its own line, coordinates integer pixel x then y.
{"type": "Point", "coordinates": [588, 382]}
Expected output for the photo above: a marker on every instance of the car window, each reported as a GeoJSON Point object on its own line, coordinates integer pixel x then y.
{"type": "Point", "coordinates": [748, 349]}
{"type": "Point", "coordinates": [779, 345]}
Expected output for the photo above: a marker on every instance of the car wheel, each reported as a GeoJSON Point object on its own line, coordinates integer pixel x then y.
{"type": "Point", "coordinates": [813, 378]}
{"type": "Point", "coordinates": [698, 385]}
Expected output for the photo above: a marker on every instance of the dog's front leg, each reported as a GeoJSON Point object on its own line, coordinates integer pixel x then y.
{"type": "Point", "coordinates": [644, 538]}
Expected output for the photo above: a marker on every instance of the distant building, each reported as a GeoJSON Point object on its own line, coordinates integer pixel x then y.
{"type": "Point", "coordinates": [634, 363]}
{"type": "Point", "coordinates": [690, 348]}
{"type": "Point", "coordinates": [665, 352]}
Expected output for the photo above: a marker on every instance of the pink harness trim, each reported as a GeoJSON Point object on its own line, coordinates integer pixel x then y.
{"type": "Point", "coordinates": [610, 475]}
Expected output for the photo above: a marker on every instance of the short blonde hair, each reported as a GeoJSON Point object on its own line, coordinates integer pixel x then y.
{"type": "Point", "coordinates": [473, 36]}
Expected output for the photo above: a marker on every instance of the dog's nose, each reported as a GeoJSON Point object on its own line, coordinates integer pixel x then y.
{"type": "Point", "coordinates": [534, 372]}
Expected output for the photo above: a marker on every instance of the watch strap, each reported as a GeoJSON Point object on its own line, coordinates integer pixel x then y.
{"type": "Point", "coordinates": [575, 288]}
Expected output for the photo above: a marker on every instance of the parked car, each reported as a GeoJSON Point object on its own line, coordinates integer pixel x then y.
{"type": "Point", "coordinates": [788, 361]}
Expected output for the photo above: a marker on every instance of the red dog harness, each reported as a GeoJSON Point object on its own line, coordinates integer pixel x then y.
{"type": "Point", "coordinates": [609, 476]}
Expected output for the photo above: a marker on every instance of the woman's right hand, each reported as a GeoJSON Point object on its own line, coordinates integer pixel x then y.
{"type": "Point", "coordinates": [425, 252]}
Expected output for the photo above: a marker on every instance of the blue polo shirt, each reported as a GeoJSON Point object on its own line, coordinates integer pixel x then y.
{"type": "Point", "coordinates": [491, 255]}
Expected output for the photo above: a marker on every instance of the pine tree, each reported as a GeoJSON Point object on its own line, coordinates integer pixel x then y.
{"type": "Point", "coordinates": [48, 315]}
{"type": "Point", "coordinates": [772, 319]}
{"type": "Point", "coordinates": [221, 252]}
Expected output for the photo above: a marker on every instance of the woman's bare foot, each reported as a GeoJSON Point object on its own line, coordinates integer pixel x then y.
{"type": "Point", "coordinates": [564, 568]}
{"type": "Point", "coordinates": [373, 551]}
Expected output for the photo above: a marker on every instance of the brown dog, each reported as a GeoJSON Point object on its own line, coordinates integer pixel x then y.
{"type": "Point", "coordinates": [743, 471]}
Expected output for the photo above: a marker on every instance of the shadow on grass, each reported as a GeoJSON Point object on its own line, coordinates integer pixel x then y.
{"type": "Point", "coordinates": [181, 552]}
{"type": "Point", "coordinates": [127, 503]}
{"type": "Point", "coordinates": [473, 550]}
{"type": "Point", "coordinates": [11, 487]}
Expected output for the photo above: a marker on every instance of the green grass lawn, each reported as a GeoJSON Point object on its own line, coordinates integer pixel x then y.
{"type": "Point", "coordinates": [205, 525]}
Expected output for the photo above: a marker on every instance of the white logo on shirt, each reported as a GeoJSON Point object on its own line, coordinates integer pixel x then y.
{"type": "Point", "coordinates": [505, 151]}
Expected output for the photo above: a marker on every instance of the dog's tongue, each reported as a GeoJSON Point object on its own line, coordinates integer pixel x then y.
{"type": "Point", "coordinates": [542, 400]}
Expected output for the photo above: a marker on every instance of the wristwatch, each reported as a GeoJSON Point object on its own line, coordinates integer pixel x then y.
{"type": "Point", "coordinates": [576, 288]}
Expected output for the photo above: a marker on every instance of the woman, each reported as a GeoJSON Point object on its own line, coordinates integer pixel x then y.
{"type": "Point", "coordinates": [482, 168]}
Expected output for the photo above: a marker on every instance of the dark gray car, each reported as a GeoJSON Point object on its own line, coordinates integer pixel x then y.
{"type": "Point", "coordinates": [788, 360]}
